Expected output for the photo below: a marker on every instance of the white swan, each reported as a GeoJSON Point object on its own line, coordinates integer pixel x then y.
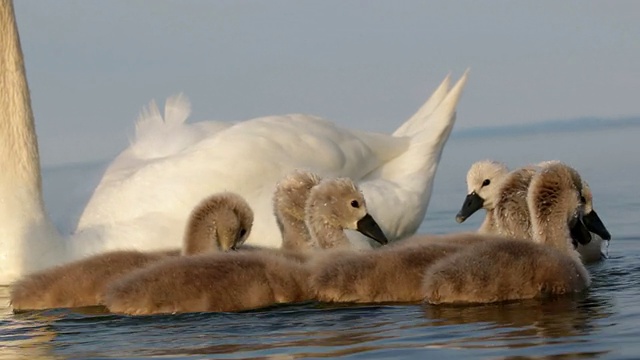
{"type": "Point", "coordinates": [251, 156]}
{"type": "Point", "coordinates": [145, 196]}
{"type": "Point", "coordinates": [26, 232]}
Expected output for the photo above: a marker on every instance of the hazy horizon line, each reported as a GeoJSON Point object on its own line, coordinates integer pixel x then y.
{"type": "Point", "coordinates": [586, 123]}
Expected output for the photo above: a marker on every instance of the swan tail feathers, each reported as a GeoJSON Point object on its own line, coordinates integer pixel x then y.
{"type": "Point", "coordinates": [149, 118]}
{"type": "Point", "coordinates": [150, 121]}
{"type": "Point", "coordinates": [177, 109]}
{"type": "Point", "coordinates": [419, 162]}
{"type": "Point", "coordinates": [416, 122]}
{"type": "Point", "coordinates": [160, 136]}
{"type": "Point", "coordinates": [443, 117]}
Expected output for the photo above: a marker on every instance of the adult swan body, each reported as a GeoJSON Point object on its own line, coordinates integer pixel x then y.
{"type": "Point", "coordinates": [147, 193]}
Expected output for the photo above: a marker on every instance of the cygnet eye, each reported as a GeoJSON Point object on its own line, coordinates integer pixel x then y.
{"type": "Point", "coordinates": [486, 182]}
{"type": "Point", "coordinates": [583, 200]}
{"type": "Point", "coordinates": [355, 204]}
{"type": "Point", "coordinates": [243, 232]}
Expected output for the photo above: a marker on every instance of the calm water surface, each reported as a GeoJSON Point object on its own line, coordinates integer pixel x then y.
{"type": "Point", "coordinates": [603, 323]}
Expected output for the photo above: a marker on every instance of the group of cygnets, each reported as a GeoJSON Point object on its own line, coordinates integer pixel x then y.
{"type": "Point", "coordinates": [536, 235]}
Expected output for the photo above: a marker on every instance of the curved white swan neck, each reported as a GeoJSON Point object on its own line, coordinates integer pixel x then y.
{"type": "Point", "coordinates": [19, 148]}
{"type": "Point", "coordinates": [27, 237]}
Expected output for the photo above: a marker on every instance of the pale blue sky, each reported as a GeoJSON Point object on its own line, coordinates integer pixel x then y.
{"type": "Point", "coordinates": [92, 65]}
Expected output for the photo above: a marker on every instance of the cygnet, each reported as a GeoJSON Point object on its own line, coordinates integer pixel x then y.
{"type": "Point", "coordinates": [219, 223]}
{"type": "Point", "coordinates": [502, 269]}
{"type": "Point", "coordinates": [245, 279]}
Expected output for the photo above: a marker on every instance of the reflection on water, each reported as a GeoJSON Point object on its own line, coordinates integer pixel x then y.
{"type": "Point", "coordinates": [601, 323]}
{"type": "Point", "coordinates": [516, 325]}
{"type": "Point", "coordinates": [23, 338]}
{"type": "Point", "coordinates": [558, 326]}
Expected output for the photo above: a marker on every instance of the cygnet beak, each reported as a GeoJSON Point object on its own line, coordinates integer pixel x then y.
{"type": "Point", "coordinates": [579, 233]}
{"type": "Point", "coordinates": [472, 203]}
{"type": "Point", "coordinates": [593, 223]}
{"type": "Point", "coordinates": [369, 227]}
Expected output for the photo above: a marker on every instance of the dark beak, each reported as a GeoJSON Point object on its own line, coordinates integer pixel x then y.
{"type": "Point", "coordinates": [593, 223]}
{"type": "Point", "coordinates": [472, 203]}
{"type": "Point", "coordinates": [369, 227]}
{"type": "Point", "coordinates": [580, 234]}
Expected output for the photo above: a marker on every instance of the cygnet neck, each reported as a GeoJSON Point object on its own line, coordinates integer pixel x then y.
{"type": "Point", "coordinates": [289, 203]}
{"type": "Point", "coordinates": [553, 201]}
{"type": "Point", "coordinates": [219, 223]}
{"type": "Point", "coordinates": [323, 225]}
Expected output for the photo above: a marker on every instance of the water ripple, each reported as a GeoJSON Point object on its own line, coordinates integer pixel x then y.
{"type": "Point", "coordinates": [602, 323]}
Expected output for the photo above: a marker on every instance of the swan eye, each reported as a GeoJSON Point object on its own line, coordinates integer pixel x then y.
{"type": "Point", "coordinates": [486, 182]}
{"type": "Point", "coordinates": [355, 204]}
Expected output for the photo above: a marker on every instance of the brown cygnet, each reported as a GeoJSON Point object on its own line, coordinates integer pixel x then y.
{"type": "Point", "coordinates": [484, 180]}
{"type": "Point", "coordinates": [391, 274]}
{"type": "Point", "coordinates": [246, 279]}
{"type": "Point", "coordinates": [504, 196]}
{"type": "Point", "coordinates": [219, 223]}
{"type": "Point", "coordinates": [504, 269]}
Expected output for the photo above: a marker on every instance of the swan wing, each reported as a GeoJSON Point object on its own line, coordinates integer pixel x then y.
{"type": "Point", "coordinates": [248, 158]}
{"type": "Point", "coordinates": [159, 137]}
{"type": "Point", "coordinates": [406, 181]}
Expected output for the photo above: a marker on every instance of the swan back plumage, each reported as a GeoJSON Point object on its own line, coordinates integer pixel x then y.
{"type": "Point", "coordinates": [262, 150]}
{"type": "Point", "coordinates": [259, 151]}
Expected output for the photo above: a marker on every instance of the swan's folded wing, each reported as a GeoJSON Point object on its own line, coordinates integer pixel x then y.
{"type": "Point", "coordinates": [312, 142]}
{"type": "Point", "coordinates": [398, 192]}
{"type": "Point", "coordinates": [249, 158]}
{"type": "Point", "coordinates": [157, 136]}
